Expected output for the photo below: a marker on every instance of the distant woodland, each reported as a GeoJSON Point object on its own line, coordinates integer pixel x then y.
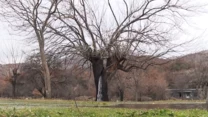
{"type": "Point", "coordinates": [71, 80]}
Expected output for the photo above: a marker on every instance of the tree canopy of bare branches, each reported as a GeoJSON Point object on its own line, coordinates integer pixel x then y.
{"type": "Point", "coordinates": [111, 35]}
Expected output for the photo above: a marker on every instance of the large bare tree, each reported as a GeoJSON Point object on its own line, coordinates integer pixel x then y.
{"type": "Point", "coordinates": [31, 17]}
{"type": "Point", "coordinates": [111, 35]}
{"type": "Point", "coordinates": [121, 34]}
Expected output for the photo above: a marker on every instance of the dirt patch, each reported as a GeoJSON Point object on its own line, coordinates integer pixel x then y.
{"type": "Point", "coordinates": [162, 106]}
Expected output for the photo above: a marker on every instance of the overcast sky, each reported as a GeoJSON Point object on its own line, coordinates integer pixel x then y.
{"type": "Point", "coordinates": [197, 29]}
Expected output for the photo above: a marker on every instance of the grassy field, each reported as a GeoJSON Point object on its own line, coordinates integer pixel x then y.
{"type": "Point", "coordinates": [65, 108]}
{"type": "Point", "coordinates": [99, 112]}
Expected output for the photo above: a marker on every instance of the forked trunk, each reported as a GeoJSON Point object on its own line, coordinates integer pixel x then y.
{"type": "Point", "coordinates": [100, 78]}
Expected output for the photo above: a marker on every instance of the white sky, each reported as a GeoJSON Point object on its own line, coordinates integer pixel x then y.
{"type": "Point", "coordinates": [198, 29]}
{"type": "Point", "coordinates": [10, 42]}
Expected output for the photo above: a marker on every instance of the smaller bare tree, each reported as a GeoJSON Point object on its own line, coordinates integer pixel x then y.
{"type": "Point", "coordinates": [31, 17]}
{"type": "Point", "coordinates": [11, 69]}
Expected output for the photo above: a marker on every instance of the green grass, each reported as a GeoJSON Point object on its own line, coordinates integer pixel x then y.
{"type": "Point", "coordinates": [21, 103]}
{"type": "Point", "coordinates": [67, 108]}
{"type": "Point", "coordinates": [88, 103]}
{"type": "Point", "coordinates": [99, 112]}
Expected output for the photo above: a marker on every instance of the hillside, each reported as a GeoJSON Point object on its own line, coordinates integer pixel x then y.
{"type": "Point", "coordinates": [189, 71]}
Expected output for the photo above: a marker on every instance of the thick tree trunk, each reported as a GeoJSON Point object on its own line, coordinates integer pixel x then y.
{"type": "Point", "coordinates": [121, 95]}
{"type": "Point", "coordinates": [99, 95]}
{"type": "Point", "coordinates": [47, 78]}
{"type": "Point", "coordinates": [100, 78]}
{"type": "Point", "coordinates": [14, 82]}
{"type": "Point", "coordinates": [136, 96]}
{"type": "Point", "coordinates": [206, 98]}
{"type": "Point", "coordinates": [136, 92]}
{"type": "Point", "coordinates": [14, 89]}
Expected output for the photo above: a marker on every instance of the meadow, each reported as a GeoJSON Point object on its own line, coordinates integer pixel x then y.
{"type": "Point", "coordinates": [65, 108]}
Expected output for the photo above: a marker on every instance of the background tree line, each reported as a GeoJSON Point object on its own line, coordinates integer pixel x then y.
{"type": "Point", "coordinates": [69, 79]}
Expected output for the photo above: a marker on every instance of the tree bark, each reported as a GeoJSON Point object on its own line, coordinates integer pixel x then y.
{"type": "Point", "coordinates": [99, 95]}
{"type": "Point", "coordinates": [100, 75]}
{"type": "Point", "coordinates": [136, 96]}
{"type": "Point", "coordinates": [14, 82]}
{"type": "Point", "coordinates": [14, 89]}
{"type": "Point", "coordinates": [46, 73]}
{"type": "Point", "coordinates": [206, 98]}
{"type": "Point", "coordinates": [136, 92]}
{"type": "Point", "coordinates": [121, 94]}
